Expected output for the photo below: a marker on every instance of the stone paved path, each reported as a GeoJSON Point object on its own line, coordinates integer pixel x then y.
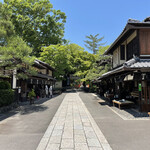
{"type": "Point", "coordinates": [73, 128]}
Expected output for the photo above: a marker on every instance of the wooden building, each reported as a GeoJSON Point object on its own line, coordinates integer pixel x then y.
{"type": "Point", "coordinates": [43, 77]}
{"type": "Point", "coordinates": [130, 74]}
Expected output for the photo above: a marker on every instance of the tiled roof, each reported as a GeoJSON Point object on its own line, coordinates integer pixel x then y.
{"type": "Point", "coordinates": [138, 63]}
{"type": "Point", "coordinates": [134, 63]}
{"type": "Point", "coordinates": [44, 64]}
{"type": "Point", "coordinates": [141, 64]}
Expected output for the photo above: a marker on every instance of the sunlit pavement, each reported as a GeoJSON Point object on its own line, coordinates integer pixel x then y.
{"type": "Point", "coordinates": [73, 128]}
{"type": "Point", "coordinates": [23, 128]}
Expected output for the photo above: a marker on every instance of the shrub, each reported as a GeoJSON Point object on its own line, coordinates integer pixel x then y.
{"type": "Point", "coordinates": [93, 88]}
{"type": "Point", "coordinates": [6, 97]}
{"type": "Point", "coordinates": [31, 94]}
{"type": "Point", "coordinates": [4, 85]}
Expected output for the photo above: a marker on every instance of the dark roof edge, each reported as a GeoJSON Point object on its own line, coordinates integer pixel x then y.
{"type": "Point", "coordinates": [130, 25]}
{"type": "Point", "coordinates": [45, 64]}
{"type": "Point", "coordinates": [115, 42]}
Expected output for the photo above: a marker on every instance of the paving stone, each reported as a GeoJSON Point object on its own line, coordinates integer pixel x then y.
{"type": "Point", "coordinates": [93, 143]}
{"type": "Point", "coordinates": [90, 134]}
{"type": "Point", "coordinates": [84, 116]}
{"type": "Point", "coordinates": [66, 149]}
{"type": "Point", "coordinates": [87, 124]}
{"type": "Point", "coordinates": [95, 148]}
{"type": "Point", "coordinates": [43, 144]}
{"type": "Point", "coordinates": [59, 127]}
{"type": "Point", "coordinates": [67, 143]}
{"type": "Point", "coordinates": [60, 123]}
{"type": "Point", "coordinates": [73, 128]}
{"type": "Point", "coordinates": [81, 146]}
{"type": "Point", "coordinates": [130, 114]}
{"type": "Point", "coordinates": [68, 123]}
{"type": "Point", "coordinates": [57, 132]}
{"type": "Point", "coordinates": [106, 146]}
{"type": "Point", "coordinates": [48, 132]}
{"type": "Point", "coordinates": [88, 128]}
{"type": "Point", "coordinates": [79, 138]}
{"type": "Point", "coordinates": [51, 146]}
{"type": "Point", "coordinates": [53, 122]}
{"type": "Point", "coordinates": [68, 133]}
{"type": "Point", "coordinates": [55, 139]}
{"type": "Point", "coordinates": [103, 140]}
{"type": "Point", "coordinates": [78, 126]}
{"type": "Point", "coordinates": [85, 120]}
{"type": "Point", "coordinates": [77, 131]}
{"type": "Point", "coordinates": [77, 122]}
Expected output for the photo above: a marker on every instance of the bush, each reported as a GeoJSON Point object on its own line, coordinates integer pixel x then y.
{"type": "Point", "coordinates": [31, 94]}
{"type": "Point", "coordinates": [4, 85]}
{"type": "Point", "coordinates": [6, 97]}
{"type": "Point", "coordinates": [93, 88]}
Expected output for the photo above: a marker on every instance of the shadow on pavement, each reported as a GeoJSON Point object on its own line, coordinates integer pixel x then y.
{"type": "Point", "coordinates": [133, 111]}
{"type": "Point", "coordinates": [6, 115]}
{"type": "Point", "coordinates": [25, 108]}
{"type": "Point", "coordinates": [31, 109]}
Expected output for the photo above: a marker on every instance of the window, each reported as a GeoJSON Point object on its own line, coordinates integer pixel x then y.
{"type": "Point", "coordinates": [122, 52]}
{"type": "Point", "coordinates": [132, 48]}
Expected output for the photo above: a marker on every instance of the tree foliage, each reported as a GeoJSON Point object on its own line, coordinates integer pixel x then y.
{"type": "Point", "coordinates": [93, 42]}
{"type": "Point", "coordinates": [102, 49]}
{"type": "Point", "coordinates": [57, 57]}
{"type": "Point", "coordinates": [72, 59]}
{"type": "Point", "coordinates": [97, 70]}
{"type": "Point", "coordinates": [37, 22]}
{"type": "Point", "coordinates": [68, 59]}
{"type": "Point", "coordinates": [6, 26]}
{"type": "Point", "coordinates": [14, 52]}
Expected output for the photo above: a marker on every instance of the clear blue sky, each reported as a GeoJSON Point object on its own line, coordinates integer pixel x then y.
{"type": "Point", "coordinates": [106, 17]}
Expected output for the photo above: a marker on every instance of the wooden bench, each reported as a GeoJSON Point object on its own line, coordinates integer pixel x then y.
{"type": "Point", "coordinates": [135, 94]}
{"type": "Point", "coordinates": [122, 103]}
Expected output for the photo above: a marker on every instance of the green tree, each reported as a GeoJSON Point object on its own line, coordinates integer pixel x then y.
{"type": "Point", "coordinates": [93, 42]}
{"type": "Point", "coordinates": [14, 52]}
{"type": "Point", "coordinates": [84, 61]}
{"type": "Point", "coordinates": [37, 22]}
{"type": "Point", "coordinates": [6, 26]}
{"type": "Point", "coordinates": [68, 59]}
{"type": "Point", "coordinates": [98, 68]}
{"type": "Point", "coordinates": [16, 55]}
{"type": "Point", "coordinates": [57, 57]}
{"type": "Point", "coordinates": [101, 65]}
{"type": "Point", "coordinates": [102, 49]}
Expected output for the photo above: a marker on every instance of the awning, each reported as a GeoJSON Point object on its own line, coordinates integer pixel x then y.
{"type": "Point", "coordinates": [131, 65]}
{"type": "Point", "coordinates": [45, 77]}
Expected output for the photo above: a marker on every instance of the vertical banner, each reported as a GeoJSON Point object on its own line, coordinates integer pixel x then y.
{"type": "Point", "coordinates": [14, 79]}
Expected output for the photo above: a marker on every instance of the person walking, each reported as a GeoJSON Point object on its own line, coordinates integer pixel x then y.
{"type": "Point", "coordinates": [51, 91]}
{"type": "Point", "coordinates": [46, 90]}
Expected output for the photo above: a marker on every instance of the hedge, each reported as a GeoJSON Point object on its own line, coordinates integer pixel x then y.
{"type": "Point", "coordinates": [6, 97]}
{"type": "Point", "coordinates": [4, 85]}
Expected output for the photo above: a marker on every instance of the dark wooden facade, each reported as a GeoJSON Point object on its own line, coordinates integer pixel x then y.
{"type": "Point", "coordinates": [131, 65]}
{"type": "Point", "coordinates": [144, 36]}
{"type": "Point", "coordinates": [44, 77]}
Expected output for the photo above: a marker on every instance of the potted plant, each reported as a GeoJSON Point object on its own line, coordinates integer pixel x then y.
{"type": "Point", "coordinates": [31, 96]}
